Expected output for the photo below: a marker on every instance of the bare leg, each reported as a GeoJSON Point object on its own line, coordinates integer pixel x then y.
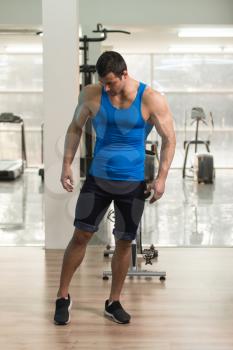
{"type": "Point", "coordinates": [73, 257]}
{"type": "Point", "coordinates": [120, 265]}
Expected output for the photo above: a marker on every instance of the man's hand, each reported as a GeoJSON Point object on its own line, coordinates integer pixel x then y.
{"type": "Point", "coordinates": [158, 188]}
{"type": "Point", "coordinates": [67, 179]}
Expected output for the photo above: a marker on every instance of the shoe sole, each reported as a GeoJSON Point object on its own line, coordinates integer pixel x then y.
{"type": "Point", "coordinates": [64, 323]}
{"type": "Point", "coordinates": [107, 314]}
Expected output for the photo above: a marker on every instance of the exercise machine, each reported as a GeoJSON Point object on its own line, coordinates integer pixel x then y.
{"type": "Point", "coordinates": [203, 168]}
{"type": "Point", "coordinates": [12, 169]}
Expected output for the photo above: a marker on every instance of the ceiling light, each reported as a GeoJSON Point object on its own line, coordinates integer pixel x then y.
{"type": "Point", "coordinates": [24, 49]}
{"type": "Point", "coordinates": [206, 33]}
{"type": "Point", "coordinates": [195, 49]}
{"type": "Point", "coordinates": [228, 49]}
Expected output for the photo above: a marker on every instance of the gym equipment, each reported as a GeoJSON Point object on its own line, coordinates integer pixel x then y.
{"type": "Point", "coordinates": [88, 72]}
{"type": "Point", "coordinates": [149, 162]}
{"type": "Point", "coordinates": [41, 170]}
{"type": "Point", "coordinates": [197, 230]}
{"type": "Point", "coordinates": [136, 245]}
{"type": "Point", "coordinates": [14, 190]}
{"type": "Point", "coordinates": [148, 255]}
{"type": "Point", "coordinates": [203, 169]}
{"type": "Point", "coordinates": [12, 169]}
{"type": "Point", "coordinates": [87, 69]}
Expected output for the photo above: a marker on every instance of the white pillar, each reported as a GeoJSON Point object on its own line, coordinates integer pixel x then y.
{"type": "Point", "coordinates": [61, 87]}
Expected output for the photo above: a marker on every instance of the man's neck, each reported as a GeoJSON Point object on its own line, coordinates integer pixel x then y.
{"type": "Point", "coordinates": [130, 87]}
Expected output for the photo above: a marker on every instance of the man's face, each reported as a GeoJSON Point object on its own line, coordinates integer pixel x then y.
{"type": "Point", "coordinates": [112, 83]}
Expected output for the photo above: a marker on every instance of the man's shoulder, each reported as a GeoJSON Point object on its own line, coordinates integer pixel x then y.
{"type": "Point", "coordinates": [151, 95]}
{"type": "Point", "coordinates": [154, 101]}
{"type": "Point", "coordinates": [91, 91]}
{"type": "Point", "coordinates": [149, 91]}
{"type": "Point", "coordinates": [90, 96]}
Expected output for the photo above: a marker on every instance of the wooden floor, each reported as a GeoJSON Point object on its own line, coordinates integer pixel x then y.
{"type": "Point", "coordinates": [192, 310]}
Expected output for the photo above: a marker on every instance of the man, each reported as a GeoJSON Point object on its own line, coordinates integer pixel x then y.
{"type": "Point", "coordinates": [119, 108]}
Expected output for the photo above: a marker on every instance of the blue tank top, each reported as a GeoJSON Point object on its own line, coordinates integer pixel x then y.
{"type": "Point", "coordinates": [148, 128]}
{"type": "Point", "coordinates": [120, 140]}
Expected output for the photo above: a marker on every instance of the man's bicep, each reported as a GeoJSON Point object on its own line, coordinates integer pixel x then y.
{"type": "Point", "coordinates": [164, 124]}
{"type": "Point", "coordinates": [162, 116]}
{"type": "Point", "coordinates": [81, 114]}
{"type": "Point", "coordinates": [84, 108]}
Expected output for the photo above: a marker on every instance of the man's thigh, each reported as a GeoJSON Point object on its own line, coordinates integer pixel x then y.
{"type": "Point", "coordinates": [91, 206]}
{"type": "Point", "coordinates": [128, 213]}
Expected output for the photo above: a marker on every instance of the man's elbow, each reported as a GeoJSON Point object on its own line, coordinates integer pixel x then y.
{"type": "Point", "coordinates": [173, 139]}
{"type": "Point", "coordinates": [169, 139]}
{"type": "Point", "coordinates": [74, 129]}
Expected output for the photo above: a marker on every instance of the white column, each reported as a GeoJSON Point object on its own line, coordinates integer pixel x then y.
{"type": "Point", "coordinates": [61, 87]}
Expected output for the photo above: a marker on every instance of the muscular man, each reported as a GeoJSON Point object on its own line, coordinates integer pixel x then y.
{"type": "Point", "coordinates": [119, 108]}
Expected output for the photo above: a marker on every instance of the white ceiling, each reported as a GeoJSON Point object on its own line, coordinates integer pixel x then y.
{"type": "Point", "coordinates": [158, 39]}
{"type": "Point", "coordinates": [142, 39]}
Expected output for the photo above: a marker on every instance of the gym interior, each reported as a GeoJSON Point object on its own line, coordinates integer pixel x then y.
{"type": "Point", "coordinates": [179, 286]}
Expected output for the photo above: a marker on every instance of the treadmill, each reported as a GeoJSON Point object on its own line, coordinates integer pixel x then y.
{"type": "Point", "coordinates": [12, 169]}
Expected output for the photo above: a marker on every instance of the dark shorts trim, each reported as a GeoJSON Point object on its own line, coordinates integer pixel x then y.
{"type": "Point", "coordinates": [126, 236]}
{"type": "Point", "coordinates": [85, 227]}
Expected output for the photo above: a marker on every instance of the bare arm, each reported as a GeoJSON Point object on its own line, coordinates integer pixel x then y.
{"type": "Point", "coordinates": [73, 137]}
{"type": "Point", "coordinates": [160, 116]}
{"type": "Point", "coordinates": [74, 131]}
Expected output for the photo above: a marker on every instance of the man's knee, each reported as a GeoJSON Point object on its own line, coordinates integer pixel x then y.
{"type": "Point", "coordinates": [123, 243]}
{"type": "Point", "coordinates": [81, 237]}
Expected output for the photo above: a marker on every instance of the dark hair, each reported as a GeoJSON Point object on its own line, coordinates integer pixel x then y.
{"type": "Point", "coordinates": [110, 62]}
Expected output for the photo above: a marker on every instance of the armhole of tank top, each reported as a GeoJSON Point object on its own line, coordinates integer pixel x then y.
{"type": "Point", "coordinates": [99, 109]}
{"type": "Point", "coordinates": [144, 89]}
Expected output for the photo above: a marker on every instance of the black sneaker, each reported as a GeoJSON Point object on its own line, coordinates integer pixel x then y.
{"type": "Point", "coordinates": [116, 312]}
{"type": "Point", "coordinates": [62, 312]}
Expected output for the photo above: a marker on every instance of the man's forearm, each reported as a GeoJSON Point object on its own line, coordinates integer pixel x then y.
{"type": "Point", "coordinates": [166, 156]}
{"type": "Point", "coordinates": [72, 140]}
